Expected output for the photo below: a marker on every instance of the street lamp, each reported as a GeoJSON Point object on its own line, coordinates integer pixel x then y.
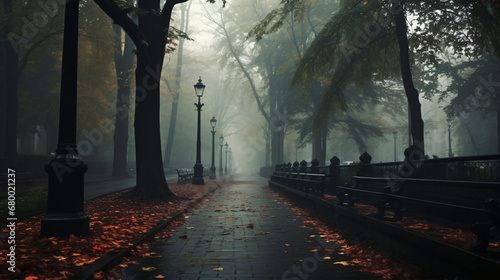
{"type": "Point", "coordinates": [225, 169]}
{"type": "Point", "coordinates": [395, 133]}
{"type": "Point", "coordinates": [221, 170]}
{"type": "Point", "coordinates": [199, 88]}
{"type": "Point", "coordinates": [213, 122]}
{"type": "Point", "coordinates": [230, 168]}
{"type": "Point", "coordinates": [65, 207]}
{"type": "Point", "coordinates": [233, 167]}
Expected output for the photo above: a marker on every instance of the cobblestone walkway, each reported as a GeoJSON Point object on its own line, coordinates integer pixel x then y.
{"type": "Point", "coordinates": [243, 232]}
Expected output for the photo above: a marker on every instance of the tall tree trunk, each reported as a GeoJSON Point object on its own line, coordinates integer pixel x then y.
{"type": "Point", "coordinates": [171, 129]}
{"type": "Point", "coordinates": [316, 147]}
{"type": "Point", "coordinates": [151, 181]}
{"type": "Point", "coordinates": [124, 61]}
{"type": "Point", "coordinates": [177, 89]}
{"type": "Point", "coordinates": [267, 131]}
{"type": "Point", "coordinates": [498, 121]}
{"type": "Point", "coordinates": [470, 134]}
{"type": "Point", "coordinates": [319, 140]}
{"type": "Point", "coordinates": [273, 121]}
{"type": "Point", "coordinates": [417, 124]}
{"type": "Point", "coordinates": [324, 134]}
{"type": "Point", "coordinates": [12, 83]}
{"type": "Point", "coordinates": [319, 145]}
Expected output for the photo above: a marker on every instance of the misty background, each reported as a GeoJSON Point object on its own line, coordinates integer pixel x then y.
{"type": "Point", "coordinates": [244, 78]}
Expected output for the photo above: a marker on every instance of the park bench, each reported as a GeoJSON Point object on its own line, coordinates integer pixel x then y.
{"type": "Point", "coordinates": [184, 174]}
{"type": "Point", "coordinates": [415, 193]}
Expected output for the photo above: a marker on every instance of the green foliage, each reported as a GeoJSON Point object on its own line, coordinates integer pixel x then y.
{"type": "Point", "coordinates": [470, 86]}
{"type": "Point", "coordinates": [363, 117]}
{"type": "Point", "coordinates": [468, 27]}
{"type": "Point", "coordinates": [358, 42]}
{"type": "Point", "coordinates": [275, 19]}
{"type": "Point", "coordinates": [353, 45]}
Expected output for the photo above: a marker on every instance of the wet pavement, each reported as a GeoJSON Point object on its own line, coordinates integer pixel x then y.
{"type": "Point", "coordinates": [244, 231]}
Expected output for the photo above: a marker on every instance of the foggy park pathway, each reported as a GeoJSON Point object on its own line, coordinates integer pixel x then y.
{"type": "Point", "coordinates": [244, 231]}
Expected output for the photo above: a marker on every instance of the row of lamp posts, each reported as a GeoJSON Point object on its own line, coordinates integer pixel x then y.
{"type": "Point", "coordinates": [198, 167]}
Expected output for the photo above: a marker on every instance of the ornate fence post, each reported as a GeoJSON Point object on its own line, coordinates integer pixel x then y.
{"type": "Point", "coordinates": [296, 169]}
{"type": "Point", "coordinates": [303, 168]}
{"type": "Point", "coordinates": [364, 168]}
{"type": "Point", "coordinates": [334, 172]}
{"type": "Point", "coordinates": [315, 167]}
{"type": "Point", "coordinates": [288, 169]}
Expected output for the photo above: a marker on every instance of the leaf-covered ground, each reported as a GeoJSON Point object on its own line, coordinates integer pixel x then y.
{"type": "Point", "coordinates": [114, 222]}
{"type": "Point", "coordinates": [455, 236]}
{"type": "Point", "coordinates": [358, 255]}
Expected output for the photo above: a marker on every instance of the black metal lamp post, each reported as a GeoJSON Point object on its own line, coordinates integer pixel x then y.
{"type": "Point", "coordinates": [395, 133]}
{"type": "Point", "coordinates": [199, 88]}
{"type": "Point", "coordinates": [229, 164]}
{"type": "Point", "coordinates": [233, 166]}
{"type": "Point", "coordinates": [213, 122]}
{"type": "Point", "coordinates": [225, 169]}
{"type": "Point", "coordinates": [221, 170]}
{"type": "Point", "coordinates": [65, 208]}
{"type": "Point", "coordinates": [232, 162]}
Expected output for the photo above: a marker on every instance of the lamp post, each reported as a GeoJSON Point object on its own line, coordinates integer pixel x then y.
{"type": "Point", "coordinates": [199, 88]}
{"type": "Point", "coordinates": [221, 170]}
{"type": "Point", "coordinates": [395, 133]}
{"type": "Point", "coordinates": [65, 207]}
{"type": "Point", "coordinates": [225, 169]}
{"type": "Point", "coordinates": [233, 166]}
{"type": "Point", "coordinates": [229, 164]}
{"type": "Point", "coordinates": [213, 122]}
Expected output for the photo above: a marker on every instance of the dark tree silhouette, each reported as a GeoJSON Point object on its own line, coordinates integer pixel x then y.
{"type": "Point", "coordinates": [124, 61]}
{"type": "Point", "coordinates": [150, 36]}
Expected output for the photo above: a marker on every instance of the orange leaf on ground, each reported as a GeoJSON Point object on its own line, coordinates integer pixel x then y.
{"type": "Point", "coordinates": [48, 258]}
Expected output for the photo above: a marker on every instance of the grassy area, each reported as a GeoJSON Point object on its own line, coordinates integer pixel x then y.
{"type": "Point", "coordinates": [26, 204]}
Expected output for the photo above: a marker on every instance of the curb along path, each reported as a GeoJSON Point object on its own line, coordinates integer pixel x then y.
{"type": "Point", "coordinates": [243, 232]}
{"type": "Point", "coordinates": [107, 261]}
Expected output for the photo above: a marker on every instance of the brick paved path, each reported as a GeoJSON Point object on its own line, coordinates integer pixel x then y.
{"type": "Point", "coordinates": [243, 232]}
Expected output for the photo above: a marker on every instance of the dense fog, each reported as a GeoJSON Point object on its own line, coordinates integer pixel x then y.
{"type": "Point", "coordinates": [265, 112]}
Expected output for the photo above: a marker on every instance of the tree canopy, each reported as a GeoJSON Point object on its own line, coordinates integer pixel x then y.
{"type": "Point", "coordinates": [358, 43]}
